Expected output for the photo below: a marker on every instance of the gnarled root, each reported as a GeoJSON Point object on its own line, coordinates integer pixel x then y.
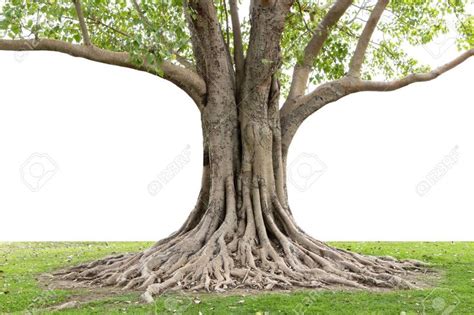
{"type": "Point", "coordinates": [260, 247]}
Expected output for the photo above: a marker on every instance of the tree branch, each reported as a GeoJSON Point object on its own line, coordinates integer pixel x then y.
{"type": "Point", "coordinates": [359, 54]}
{"type": "Point", "coordinates": [333, 91]}
{"type": "Point", "coordinates": [360, 85]}
{"type": "Point", "coordinates": [82, 23]}
{"type": "Point", "coordinates": [142, 15]}
{"type": "Point", "coordinates": [208, 43]}
{"type": "Point", "coordinates": [183, 61]}
{"type": "Point", "coordinates": [187, 80]}
{"type": "Point", "coordinates": [238, 46]}
{"type": "Point", "coordinates": [302, 70]}
{"type": "Point", "coordinates": [179, 58]}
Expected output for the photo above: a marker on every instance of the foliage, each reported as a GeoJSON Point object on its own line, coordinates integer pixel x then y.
{"type": "Point", "coordinates": [160, 31]}
{"type": "Point", "coordinates": [405, 23]}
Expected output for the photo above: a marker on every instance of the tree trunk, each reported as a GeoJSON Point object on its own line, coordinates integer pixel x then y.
{"type": "Point", "coordinates": [241, 232]}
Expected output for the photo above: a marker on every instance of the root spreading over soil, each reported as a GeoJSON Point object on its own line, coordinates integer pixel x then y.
{"type": "Point", "coordinates": [258, 248]}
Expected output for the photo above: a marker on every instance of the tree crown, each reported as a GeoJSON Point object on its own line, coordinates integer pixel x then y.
{"type": "Point", "coordinates": [154, 31]}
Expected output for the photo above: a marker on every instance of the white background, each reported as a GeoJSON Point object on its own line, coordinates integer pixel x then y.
{"type": "Point", "coordinates": [108, 132]}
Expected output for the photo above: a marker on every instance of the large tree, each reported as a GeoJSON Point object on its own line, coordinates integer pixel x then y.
{"type": "Point", "coordinates": [254, 80]}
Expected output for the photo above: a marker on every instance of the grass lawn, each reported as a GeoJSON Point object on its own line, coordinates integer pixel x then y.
{"type": "Point", "coordinates": [21, 263]}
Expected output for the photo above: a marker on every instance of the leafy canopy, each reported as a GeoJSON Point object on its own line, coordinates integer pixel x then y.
{"type": "Point", "coordinates": [158, 30]}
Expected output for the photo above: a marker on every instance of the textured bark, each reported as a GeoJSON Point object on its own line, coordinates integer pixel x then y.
{"type": "Point", "coordinates": [186, 79]}
{"type": "Point", "coordinates": [241, 232]}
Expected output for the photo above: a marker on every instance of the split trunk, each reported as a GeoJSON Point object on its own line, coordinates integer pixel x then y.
{"type": "Point", "coordinates": [241, 232]}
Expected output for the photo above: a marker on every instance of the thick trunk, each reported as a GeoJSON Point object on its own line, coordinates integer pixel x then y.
{"type": "Point", "coordinates": [241, 232]}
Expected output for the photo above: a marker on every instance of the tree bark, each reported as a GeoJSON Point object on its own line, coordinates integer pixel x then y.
{"type": "Point", "coordinates": [241, 232]}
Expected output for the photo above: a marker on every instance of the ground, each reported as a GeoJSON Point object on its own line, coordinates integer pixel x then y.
{"type": "Point", "coordinates": [22, 288]}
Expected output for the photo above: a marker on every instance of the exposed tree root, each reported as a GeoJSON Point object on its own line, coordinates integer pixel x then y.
{"type": "Point", "coordinates": [260, 248]}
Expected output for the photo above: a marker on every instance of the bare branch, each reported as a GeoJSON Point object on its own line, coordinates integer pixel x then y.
{"type": "Point", "coordinates": [263, 58]}
{"type": "Point", "coordinates": [82, 23]}
{"type": "Point", "coordinates": [197, 45]}
{"type": "Point", "coordinates": [227, 32]}
{"type": "Point", "coordinates": [208, 42]}
{"type": "Point", "coordinates": [187, 80]}
{"type": "Point", "coordinates": [359, 85]}
{"type": "Point", "coordinates": [364, 40]}
{"type": "Point", "coordinates": [238, 46]}
{"type": "Point", "coordinates": [302, 70]}
{"type": "Point", "coordinates": [333, 91]}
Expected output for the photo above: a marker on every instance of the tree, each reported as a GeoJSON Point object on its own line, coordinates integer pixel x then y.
{"type": "Point", "coordinates": [249, 79]}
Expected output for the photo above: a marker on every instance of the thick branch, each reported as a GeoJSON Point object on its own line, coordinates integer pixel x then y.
{"type": "Point", "coordinates": [303, 69]}
{"type": "Point", "coordinates": [263, 57]}
{"type": "Point", "coordinates": [359, 85]}
{"type": "Point", "coordinates": [332, 91]}
{"type": "Point", "coordinates": [209, 44]}
{"type": "Point", "coordinates": [82, 23]}
{"type": "Point", "coordinates": [186, 79]}
{"type": "Point", "coordinates": [363, 43]}
{"type": "Point", "coordinates": [238, 46]}
{"type": "Point", "coordinates": [304, 106]}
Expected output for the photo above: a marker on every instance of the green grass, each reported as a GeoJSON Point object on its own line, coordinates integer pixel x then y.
{"type": "Point", "coordinates": [21, 263]}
